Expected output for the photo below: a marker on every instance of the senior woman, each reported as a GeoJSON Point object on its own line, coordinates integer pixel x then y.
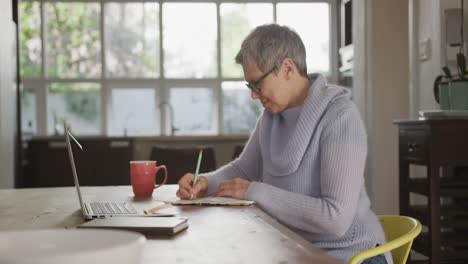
{"type": "Point", "coordinates": [304, 162]}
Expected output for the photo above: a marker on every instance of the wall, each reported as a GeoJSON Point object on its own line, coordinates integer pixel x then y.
{"type": "Point", "coordinates": [394, 83]}
{"type": "Point", "coordinates": [381, 75]}
{"type": "Point", "coordinates": [428, 20]}
{"type": "Point", "coordinates": [427, 25]}
{"type": "Point", "coordinates": [360, 29]}
{"type": "Point", "coordinates": [7, 95]}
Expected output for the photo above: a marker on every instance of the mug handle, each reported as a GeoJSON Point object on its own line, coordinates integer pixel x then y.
{"type": "Point", "coordinates": [165, 176]}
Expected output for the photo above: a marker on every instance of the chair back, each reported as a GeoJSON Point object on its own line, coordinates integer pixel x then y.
{"type": "Point", "coordinates": [237, 151]}
{"type": "Point", "coordinates": [182, 160]}
{"type": "Point", "coordinates": [400, 231]}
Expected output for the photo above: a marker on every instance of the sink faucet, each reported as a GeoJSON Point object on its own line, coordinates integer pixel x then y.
{"type": "Point", "coordinates": [171, 115]}
{"type": "Point", "coordinates": [127, 118]}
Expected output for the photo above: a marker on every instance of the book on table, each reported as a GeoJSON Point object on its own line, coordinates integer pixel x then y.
{"type": "Point", "coordinates": [155, 226]}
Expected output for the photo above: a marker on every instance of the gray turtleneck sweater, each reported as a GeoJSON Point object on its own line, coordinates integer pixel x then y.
{"type": "Point", "coordinates": [306, 165]}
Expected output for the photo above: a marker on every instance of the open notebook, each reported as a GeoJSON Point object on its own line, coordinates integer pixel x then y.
{"type": "Point", "coordinates": [213, 201]}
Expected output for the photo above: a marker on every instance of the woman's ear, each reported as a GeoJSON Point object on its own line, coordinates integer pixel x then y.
{"type": "Point", "coordinates": [288, 67]}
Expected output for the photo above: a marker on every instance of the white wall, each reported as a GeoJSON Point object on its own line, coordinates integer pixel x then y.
{"type": "Point", "coordinates": [391, 80]}
{"type": "Point", "coordinates": [7, 95]}
{"type": "Point", "coordinates": [381, 74]}
{"type": "Point", "coordinates": [360, 94]}
{"type": "Point", "coordinates": [429, 22]}
{"type": "Point", "coordinates": [426, 17]}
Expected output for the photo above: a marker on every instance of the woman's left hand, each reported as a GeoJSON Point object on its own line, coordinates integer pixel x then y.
{"type": "Point", "coordinates": [235, 188]}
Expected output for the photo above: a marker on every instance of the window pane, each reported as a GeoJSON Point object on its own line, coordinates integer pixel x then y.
{"type": "Point", "coordinates": [194, 111]}
{"type": "Point", "coordinates": [312, 22]}
{"type": "Point", "coordinates": [132, 39]}
{"type": "Point", "coordinates": [78, 103]}
{"type": "Point", "coordinates": [237, 20]}
{"type": "Point", "coordinates": [240, 111]}
{"type": "Point", "coordinates": [189, 31]}
{"type": "Point", "coordinates": [73, 39]}
{"type": "Point", "coordinates": [30, 39]}
{"type": "Point", "coordinates": [135, 116]}
{"type": "Point", "coordinates": [28, 113]}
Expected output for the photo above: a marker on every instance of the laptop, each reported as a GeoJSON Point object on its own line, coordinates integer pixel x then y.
{"type": "Point", "coordinates": [95, 210]}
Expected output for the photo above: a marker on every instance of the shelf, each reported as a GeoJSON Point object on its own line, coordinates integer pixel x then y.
{"type": "Point", "coordinates": [442, 147]}
{"type": "Point", "coordinates": [453, 247]}
{"type": "Point", "coordinates": [448, 188]}
{"type": "Point", "coordinates": [345, 69]}
{"type": "Point", "coordinates": [451, 216]}
{"type": "Point", "coordinates": [442, 262]}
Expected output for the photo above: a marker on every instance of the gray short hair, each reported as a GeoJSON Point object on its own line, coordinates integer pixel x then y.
{"type": "Point", "coordinates": [268, 45]}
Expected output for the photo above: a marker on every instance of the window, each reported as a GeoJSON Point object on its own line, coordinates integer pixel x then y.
{"type": "Point", "coordinates": [132, 39]}
{"type": "Point", "coordinates": [30, 44]}
{"type": "Point", "coordinates": [77, 103]}
{"type": "Point", "coordinates": [237, 20]}
{"type": "Point", "coordinates": [193, 110]}
{"type": "Point", "coordinates": [134, 112]}
{"type": "Point", "coordinates": [73, 40]}
{"type": "Point", "coordinates": [189, 48]}
{"type": "Point", "coordinates": [240, 112]}
{"type": "Point", "coordinates": [311, 22]}
{"type": "Point", "coordinates": [152, 67]}
{"type": "Point", "coordinates": [28, 111]}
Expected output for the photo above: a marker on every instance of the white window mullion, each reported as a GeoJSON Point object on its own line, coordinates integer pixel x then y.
{"type": "Point", "coordinates": [106, 107]}
{"type": "Point", "coordinates": [41, 92]}
{"type": "Point", "coordinates": [41, 97]}
{"type": "Point", "coordinates": [274, 11]}
{"type": "Point", "coordinates": [218, 93]}
{"type": "Point", "coordinates": [43, 37]}
{"type": "Point", "coordinates": [334, 41]}
{"type": "Point", "coordinates": [163, 88]}
{"type": "Point", "coordinates": [105, 94]}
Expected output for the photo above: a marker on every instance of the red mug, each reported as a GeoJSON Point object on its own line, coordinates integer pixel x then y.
{"type": "Point", "coordinates": [143, 177]}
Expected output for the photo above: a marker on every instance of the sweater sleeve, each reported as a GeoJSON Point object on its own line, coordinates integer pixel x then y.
{"type": "Point", "coordinates": [343, 150]}
{"type": "Point", "coordinates": [246, 166]}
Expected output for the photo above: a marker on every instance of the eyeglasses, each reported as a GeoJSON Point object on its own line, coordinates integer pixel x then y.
{"type": "Point", "coordinates": [255, 85]}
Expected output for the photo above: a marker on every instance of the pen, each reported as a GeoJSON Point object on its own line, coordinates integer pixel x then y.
{"type": "Point", "coordinates": [157, 208]}
{"type": "Point", "coordinates": [200, 154]}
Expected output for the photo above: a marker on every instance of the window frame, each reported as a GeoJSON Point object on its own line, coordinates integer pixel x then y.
{"type": "Point", "coordinates": [161, 84]}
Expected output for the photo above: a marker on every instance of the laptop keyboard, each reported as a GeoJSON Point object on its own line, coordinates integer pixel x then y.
{"type": "Point", "coordinates": [112, 208]}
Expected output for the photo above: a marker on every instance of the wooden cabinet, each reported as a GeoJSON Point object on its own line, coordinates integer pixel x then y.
{"type": "Point", "coordinates": [441, 147]}
{"type": "Point", "coordinates": [103, 161]}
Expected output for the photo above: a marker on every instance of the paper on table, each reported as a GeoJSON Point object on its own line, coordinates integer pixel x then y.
{"type": "Point", "coordinates": [214, 201]}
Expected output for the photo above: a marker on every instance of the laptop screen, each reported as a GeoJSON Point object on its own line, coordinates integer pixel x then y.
{"type": "Point", "coordinates": [69, 135]}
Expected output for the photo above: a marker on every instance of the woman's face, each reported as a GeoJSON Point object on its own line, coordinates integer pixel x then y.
{"type": "Point", "coordinates": [271, 90]}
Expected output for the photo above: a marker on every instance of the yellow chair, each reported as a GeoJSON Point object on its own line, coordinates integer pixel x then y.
{"type": "Point", "coordinates": [400, 231]}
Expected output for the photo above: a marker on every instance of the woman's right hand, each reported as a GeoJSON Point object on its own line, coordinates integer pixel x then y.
{"type": "Point", "coordinates": [187, 191]}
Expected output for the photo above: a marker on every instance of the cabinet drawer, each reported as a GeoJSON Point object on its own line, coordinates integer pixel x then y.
{"type": "Point", "coordinates": [414, 144]}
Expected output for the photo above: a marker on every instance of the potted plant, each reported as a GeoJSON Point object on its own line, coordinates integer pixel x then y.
{"type": "Point", "coordinates": [450, 91]}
